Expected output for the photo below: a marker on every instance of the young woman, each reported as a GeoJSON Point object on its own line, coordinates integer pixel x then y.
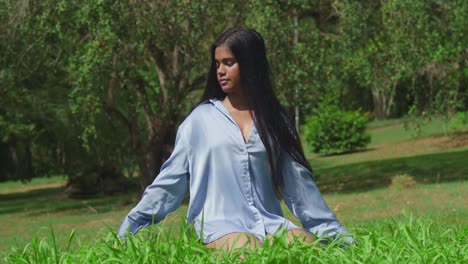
{"type": "Point", "coordinates": [239, 153]}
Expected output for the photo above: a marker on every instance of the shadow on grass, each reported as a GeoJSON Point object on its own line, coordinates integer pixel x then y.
{"type": "Point", "coordinates": [47, 200]}
{"type": "Point", "coordinates": [430, 168]}
{"type": "Point", "coordinates": [346, 152]}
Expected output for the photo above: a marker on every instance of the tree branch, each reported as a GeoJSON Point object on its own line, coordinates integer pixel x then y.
{"type": "Point", "coordinates": [160, 61]}
{"type": "Point", "coordinates": [147, 111]}
{"type": "Point", "coordinates": [111, 110]}
{"type": "Point", "coordinates": [197, 83]}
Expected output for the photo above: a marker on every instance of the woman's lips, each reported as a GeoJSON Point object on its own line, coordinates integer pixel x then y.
{"type": "Point", "coordinates": [223, 82]}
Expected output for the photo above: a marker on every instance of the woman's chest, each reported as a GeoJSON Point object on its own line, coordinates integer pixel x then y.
{"type": "Point", "coordinates": [244, 122]}
{"type": "Point", "coordinates": [220, 135]}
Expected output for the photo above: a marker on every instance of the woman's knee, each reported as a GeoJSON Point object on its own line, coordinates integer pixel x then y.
{"type": "Point", "coordinates": [235, 240]}
{"type": "Point", "coordinates": [301, 235]}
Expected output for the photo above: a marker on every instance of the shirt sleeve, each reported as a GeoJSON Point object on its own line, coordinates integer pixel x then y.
{"type": "Point", "coordinates": [303, 198]}
{"type": "Point", "coordinates": [164, 195]}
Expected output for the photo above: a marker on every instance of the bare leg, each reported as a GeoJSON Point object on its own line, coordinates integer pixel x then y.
{"type": "Point", "coordinates": [234, 240]}
{"type": "Point", "coordinates": [301, 235]}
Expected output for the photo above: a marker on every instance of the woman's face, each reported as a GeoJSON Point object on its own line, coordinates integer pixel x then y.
{"type": "Point", "coordinates": [227, 72]}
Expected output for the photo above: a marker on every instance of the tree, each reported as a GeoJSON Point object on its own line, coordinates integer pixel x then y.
{"type": "Point", "coordinates": [299, 38]}
{"type": "Point", "coordinates": [38, 134]}
{"type": "Point", "coordinates": [389, 42]}
{"type": "Point", "coordinates": [25, 115]}
{"type": "Point", "coordinates": [139, 62]}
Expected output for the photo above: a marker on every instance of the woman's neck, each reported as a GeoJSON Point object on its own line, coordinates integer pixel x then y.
{"type": "Point", "coordinates": [236, 101]}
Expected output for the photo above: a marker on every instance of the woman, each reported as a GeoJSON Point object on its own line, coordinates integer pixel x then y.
{"type": "Point", "coordinates": [239, 153]}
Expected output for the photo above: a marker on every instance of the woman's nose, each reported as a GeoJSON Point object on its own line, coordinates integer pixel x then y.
{"type": "Point", "coordinates": [221, 70]}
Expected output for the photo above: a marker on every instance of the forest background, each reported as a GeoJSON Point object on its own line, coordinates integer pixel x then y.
{"type": "Point", "coordinates": [92, 93]}
{"type": "Point", "coordinates": [95, 90]}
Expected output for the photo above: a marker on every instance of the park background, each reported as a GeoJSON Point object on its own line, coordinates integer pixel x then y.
{"type": "Point", "coordinates": [92, 93]}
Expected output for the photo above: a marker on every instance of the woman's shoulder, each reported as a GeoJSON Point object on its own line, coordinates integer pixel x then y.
{"type": "Point", "coordinates": [201, 110]}
{"type": "Point", "coordinates": [202, 107]}
{"type": "Point", "coordinates": [198, 114]}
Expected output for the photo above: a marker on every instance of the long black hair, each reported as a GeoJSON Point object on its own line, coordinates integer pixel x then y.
{"type": "Point", "coordinates": [274, 126]}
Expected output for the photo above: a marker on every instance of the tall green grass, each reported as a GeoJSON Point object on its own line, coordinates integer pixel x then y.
{"type": "Point", "coordinates": [399, 240]}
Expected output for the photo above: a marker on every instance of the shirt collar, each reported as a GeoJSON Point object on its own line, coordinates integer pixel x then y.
{"type": "Point", "coordinates": [220, 106]}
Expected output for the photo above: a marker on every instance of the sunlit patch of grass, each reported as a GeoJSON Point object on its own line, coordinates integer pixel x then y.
{"type": "Point", "coordinates": [394, 130]}
{"type": "Point", "coordinates": [444, 202]}
{"type": "Point", "coordinates": [36, 183]}
{"type": "Point", "coordinates": [406, 239]}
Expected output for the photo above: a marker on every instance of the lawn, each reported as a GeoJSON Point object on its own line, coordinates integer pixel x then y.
{"type": "Point", "coordinates": [421, 219]}
{"type": "Point", "coordinates": [391, 224]}
{"type": "Point", "coordinates": [404, 239]}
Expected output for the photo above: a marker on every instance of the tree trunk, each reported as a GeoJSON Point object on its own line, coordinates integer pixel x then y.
{"type": "Point", "coordinates": [150, 158]}
{"type": "Point", "coordinates": [378, 105]}
{"type": "Point", "coordinates": [22, 158]}
{"type": "Point", "coordinates": [383, 102]}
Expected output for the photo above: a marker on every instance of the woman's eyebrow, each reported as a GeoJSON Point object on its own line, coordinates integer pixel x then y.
{"type": "Point", "coordinates": [226, 59]}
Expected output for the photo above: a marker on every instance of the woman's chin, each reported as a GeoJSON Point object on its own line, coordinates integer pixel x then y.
{"type": "Point", "coordinates": [227, 89]}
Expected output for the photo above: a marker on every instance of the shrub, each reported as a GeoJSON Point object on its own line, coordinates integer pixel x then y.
{"type": "Point", "coordinates": [459, 121]}
{"type": "Point", "coordinates": [331, 130]}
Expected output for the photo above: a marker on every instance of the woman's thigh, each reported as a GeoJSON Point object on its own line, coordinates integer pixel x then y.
{"type": "Point", "coordinates": [298, 234]}
{"type": "Point", "coordinates": [301, 235]}
{"type": "Point", "coordinates": [235, 240]}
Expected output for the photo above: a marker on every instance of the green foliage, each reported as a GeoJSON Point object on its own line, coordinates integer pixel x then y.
{"type": "Point", "coordinates": [414, 122]}
{"type": "Point", "coordinates": [331, 130]}
{"type": "Point", "coordinates": [301, 49]}
{"type": "Point", "coordinates": [406, 239]}
{"type": "Point", "coordinates": [380, 56]}
{"type": "Point", "coordinates": [100, 84]}
{"type": "Point", "coordinates": [135, 65]}
{"type": "Point", "coordinates": [32, 127]}
{"type": "Point", "coordinates": [459, 121]}
{"type": "Point", "coordinates": [107, 82]}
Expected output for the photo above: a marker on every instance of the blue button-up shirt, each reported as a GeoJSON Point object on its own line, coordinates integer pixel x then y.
{"type": "Point", "coordinates": [231, 189]}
